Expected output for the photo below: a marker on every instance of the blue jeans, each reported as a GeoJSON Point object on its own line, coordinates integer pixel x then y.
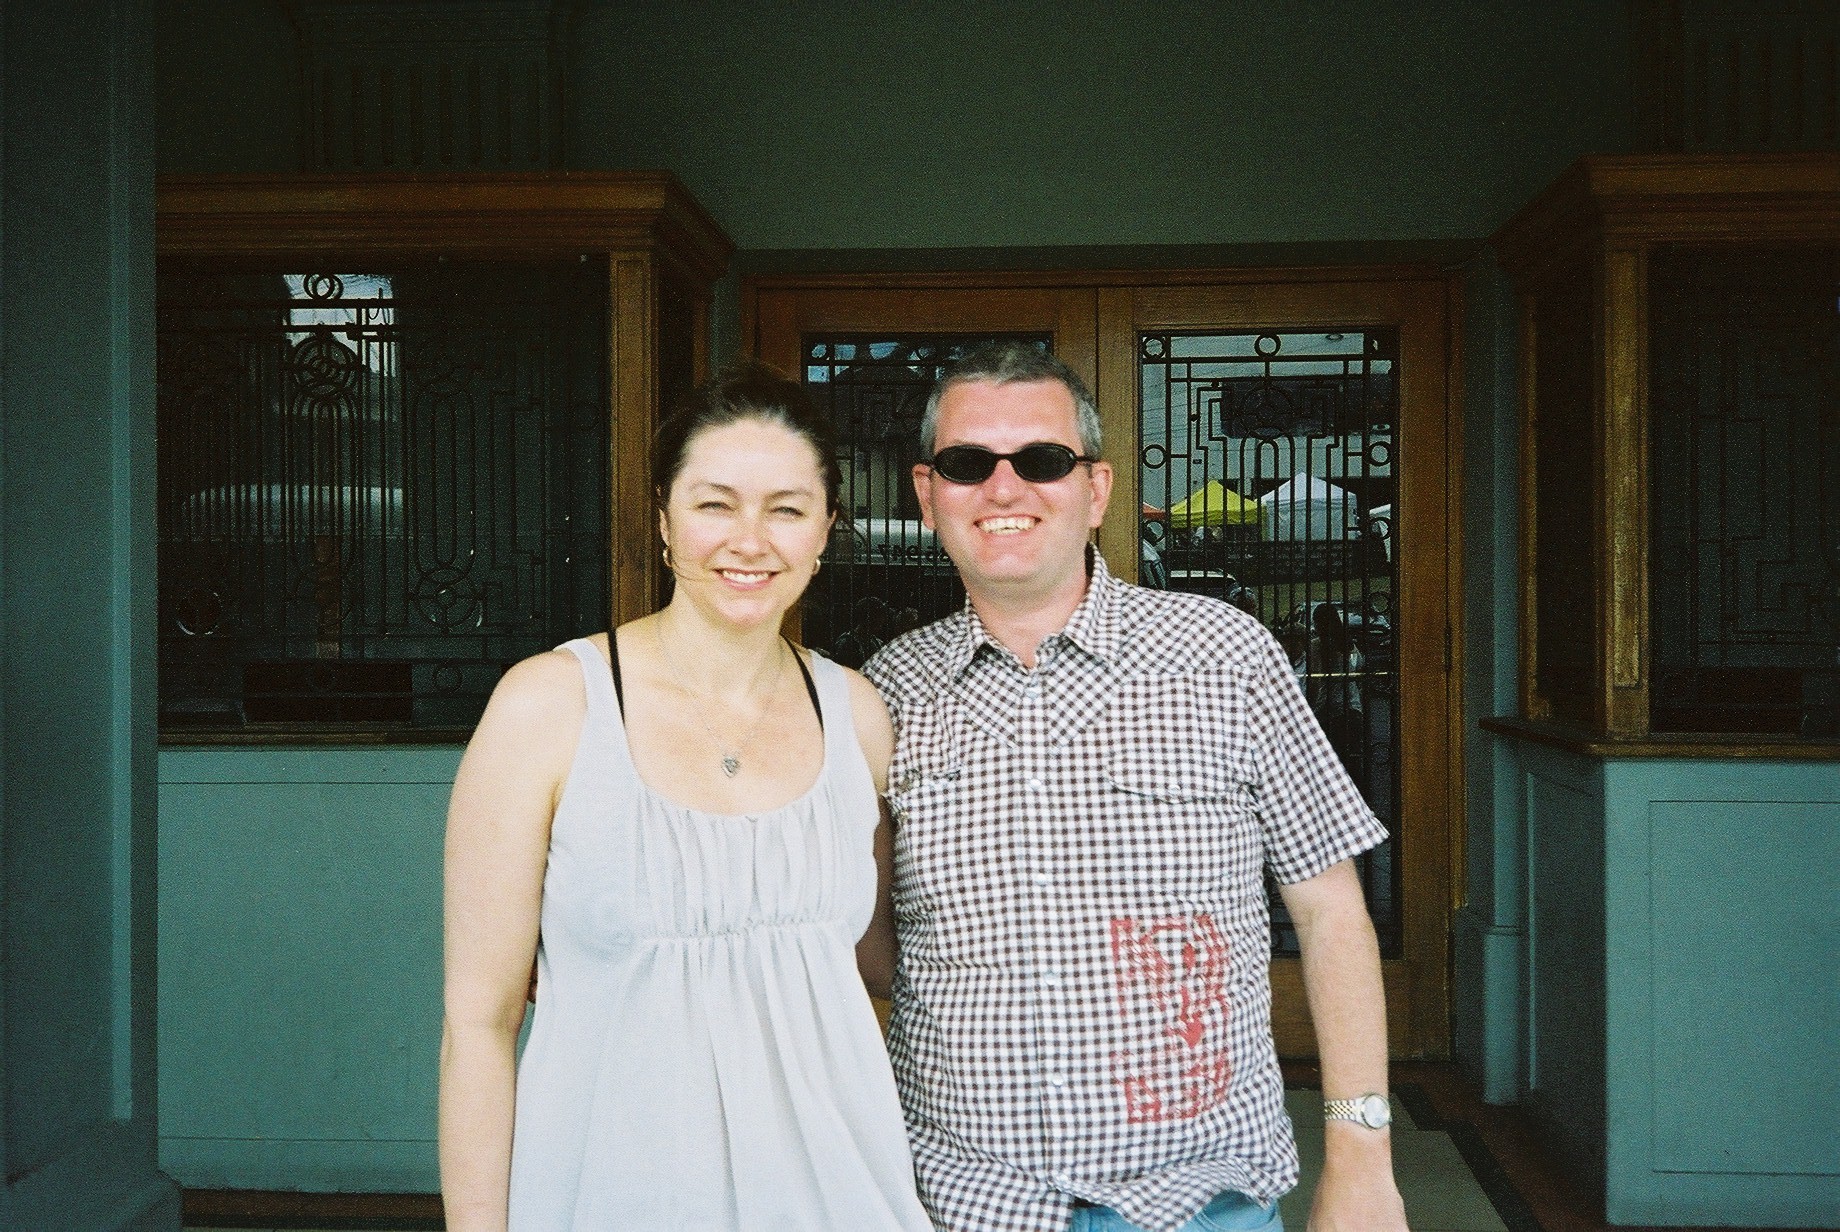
{"type": "Point", "coordinates": [1228, 1212]}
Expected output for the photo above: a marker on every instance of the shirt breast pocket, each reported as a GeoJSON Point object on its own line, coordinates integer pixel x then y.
{"type": "Point", "coordinates": [919, 786]}
{"type": "Point", "coordinates": [930, 832]}
{"type": "Point", "coordinates": [1169, 776]}
{"type": "Point", "coordinates": [1187, 826]}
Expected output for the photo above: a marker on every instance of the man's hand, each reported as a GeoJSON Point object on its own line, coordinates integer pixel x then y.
{"type": "Point", "coordinates": [1356, 1190]}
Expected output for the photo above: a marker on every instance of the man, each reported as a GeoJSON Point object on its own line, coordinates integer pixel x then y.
{"type": "Point", "coordinates": [1090, 780]}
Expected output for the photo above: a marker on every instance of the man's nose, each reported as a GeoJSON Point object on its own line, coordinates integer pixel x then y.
{"type": "Point", "coordinates": [1004, 481]}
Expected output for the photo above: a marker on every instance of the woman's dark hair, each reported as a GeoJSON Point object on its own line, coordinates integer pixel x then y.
{"type": "Point", "coordinates": [748, 390]}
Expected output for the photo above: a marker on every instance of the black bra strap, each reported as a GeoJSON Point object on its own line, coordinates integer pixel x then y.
{"type": "Point", "coordinates": [613, 661]}
{"type": "Point", "coordinates": [619, 693]}
{"type": "Point", "coordinates": [810, 686]}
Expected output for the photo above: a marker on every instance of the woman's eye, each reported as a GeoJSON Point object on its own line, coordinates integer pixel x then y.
{"type": "Point", "coordinates": [791, 511]}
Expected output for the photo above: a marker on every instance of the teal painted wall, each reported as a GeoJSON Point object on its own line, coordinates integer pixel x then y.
{"type": "Point", "coordinates": [77, 741]}
{"type": "Point", "coordinates": [1723, 1025]}
{"type": "Point", "coordinates": [831, 124]}
{"type": "Point", "coordinates": [1489, 935]}
{"type": "Point", "coordinates": [300, 968]}
{"type": "Point", "coordinates": [1565, 954]}
{"type": "Point", "coordinates": [1683, 1045]}
{"type": "Point", "coordinates": [843, 125]}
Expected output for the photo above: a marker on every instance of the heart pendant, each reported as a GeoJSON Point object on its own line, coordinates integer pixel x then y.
{"type": "Point", "coordinates": [730, 764]}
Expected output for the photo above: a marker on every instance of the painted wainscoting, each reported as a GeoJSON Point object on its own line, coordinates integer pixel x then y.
{"type": "Point", "coordinates": [299, 973]}
{"type": "Point", "coordinates": [1682, 1005]}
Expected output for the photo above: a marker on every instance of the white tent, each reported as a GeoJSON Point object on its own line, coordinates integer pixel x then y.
{"type": "Point", "coordinates": [1305, 508]}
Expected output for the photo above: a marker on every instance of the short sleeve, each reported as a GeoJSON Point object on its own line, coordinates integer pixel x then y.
{"type": "Point", "coordinates": [1312, 814]}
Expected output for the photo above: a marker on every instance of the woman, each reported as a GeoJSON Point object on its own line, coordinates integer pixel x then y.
{"type": "Point", "coordinates": [686, 814]}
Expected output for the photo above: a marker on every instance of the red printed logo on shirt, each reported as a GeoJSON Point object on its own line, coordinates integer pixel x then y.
{"type": "Point", "coordinates": [1171, 980]}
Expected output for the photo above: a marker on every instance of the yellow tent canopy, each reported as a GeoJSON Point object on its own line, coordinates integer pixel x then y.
{"type": "Point", "coordinates": [1213, 504]}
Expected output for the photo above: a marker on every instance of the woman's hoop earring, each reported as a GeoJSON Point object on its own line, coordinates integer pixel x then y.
{"type": "Point", "coordinates": [668, 562]}
{"type": "Point", "coordinates": [817, 565]}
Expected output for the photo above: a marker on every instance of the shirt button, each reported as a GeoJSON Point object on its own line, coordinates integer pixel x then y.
{"type": "Point", "coordinates": [1057, 1080]}
{"type": "Point", "coordinates": [1033, 784]}
{"type": "Point", "coordinates": [1051, 978]}
{"type": "Point", "coordinates": [1041, 879]}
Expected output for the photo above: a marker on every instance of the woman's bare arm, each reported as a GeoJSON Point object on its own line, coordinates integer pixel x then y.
{"type": "Point", "coordinates": [875, 952]}
{"type": "Point", "coordinates": [497, 845]}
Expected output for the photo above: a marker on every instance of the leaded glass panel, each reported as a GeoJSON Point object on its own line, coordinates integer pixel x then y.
{"type": "Point", "coordinates": [1267, 472]}
{"type": "Point", "coordinates": [376, 490]}
{"type": "Point", "coordinates": [1744, 490]}
{"type": "Point", "coordinates": [1566, 518]}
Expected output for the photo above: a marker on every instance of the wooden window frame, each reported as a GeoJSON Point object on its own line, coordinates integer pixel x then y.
{"type": "Point", "coordinates": [1599, 222]}
{"type": "Point", "coordinates": [657, 242]}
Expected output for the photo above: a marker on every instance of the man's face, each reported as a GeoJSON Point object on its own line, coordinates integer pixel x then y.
{"type": "Point", "coordinates": [1015, 543]}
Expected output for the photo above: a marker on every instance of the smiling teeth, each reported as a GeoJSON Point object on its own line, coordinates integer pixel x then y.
{"type": "Point", "coordinates": [1005, 526]}
{"type": "Point", "coordinates": [741, 576]}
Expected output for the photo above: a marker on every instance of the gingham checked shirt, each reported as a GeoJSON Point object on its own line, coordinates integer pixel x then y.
{"type": "Point", "coordinates": [1082, 1008]}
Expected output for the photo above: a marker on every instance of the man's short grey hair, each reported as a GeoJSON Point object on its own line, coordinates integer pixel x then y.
{"type": "Point", "coordinates": [1001, 363]}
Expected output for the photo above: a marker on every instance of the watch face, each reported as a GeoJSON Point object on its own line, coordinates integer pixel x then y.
{"type": "Point", "coordinates": [1375, 1111]}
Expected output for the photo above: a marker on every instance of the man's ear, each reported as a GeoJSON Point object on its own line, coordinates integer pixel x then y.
{"type": "Point", "coordinates": [1102, 492]}
{"type": "Point", "coordinates": [923, 489]}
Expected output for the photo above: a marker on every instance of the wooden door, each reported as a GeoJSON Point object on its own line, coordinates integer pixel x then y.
{"type": "Point", "coordinates": [1370, 409]}
{"type": "Point", "coordinates": [1293, 456]}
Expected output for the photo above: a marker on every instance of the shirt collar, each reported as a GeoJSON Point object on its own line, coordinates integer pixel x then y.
{"type": "Point", "coordinates": [1095, 626]}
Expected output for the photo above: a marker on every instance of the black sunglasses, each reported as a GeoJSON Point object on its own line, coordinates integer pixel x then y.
{"type": "Point", "coordinates": [1042, 462]}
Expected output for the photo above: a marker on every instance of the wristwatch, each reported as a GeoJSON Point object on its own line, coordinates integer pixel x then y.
{"type": "Point", "coordinates": [1370, 1110]}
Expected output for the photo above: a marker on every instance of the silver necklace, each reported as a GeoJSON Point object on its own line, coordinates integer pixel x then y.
{"type": "Point", "coordinates": [731, 758]}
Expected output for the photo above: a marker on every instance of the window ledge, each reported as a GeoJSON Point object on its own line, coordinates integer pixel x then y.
{"type": "Point", "coordinates": [313, 735]}
{"type": "Point", "coordinates": [1696, 745]}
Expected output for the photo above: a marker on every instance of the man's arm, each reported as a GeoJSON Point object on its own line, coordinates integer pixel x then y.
{"type": "Point", "coordinates": [1341, 979]}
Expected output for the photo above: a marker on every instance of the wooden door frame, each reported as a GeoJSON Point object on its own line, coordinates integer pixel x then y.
{"type": "Point", "coordinates": [1426, 615]}
{"type": "Point", "coordinates": [1096, 317]}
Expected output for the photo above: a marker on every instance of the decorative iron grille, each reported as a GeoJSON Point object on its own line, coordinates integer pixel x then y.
{"type": "Point", "coordinates": [376, 490]}
{"type": "Point", "coordinates": [1745, 491]}
{"type": "Point", "coordinates": [884, 572]}
{"type": "Point", "coordinates": [1267, 474]}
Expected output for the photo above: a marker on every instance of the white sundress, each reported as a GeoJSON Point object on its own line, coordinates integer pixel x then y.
{"type": "Point", "coordinates": [703, 1054]}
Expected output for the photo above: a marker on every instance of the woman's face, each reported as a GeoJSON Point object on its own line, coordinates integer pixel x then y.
{"type": "Point", "coordinates": [745, 520]}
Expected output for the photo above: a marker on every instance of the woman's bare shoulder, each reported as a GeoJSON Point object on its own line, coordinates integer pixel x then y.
{"type": "Point", "coordinates": [538, 693]}
{"type": "Point", "coordinates": [865, 698]}
{"type": "Point", "coordinates": [866, 704]}
{"type": "Point", "coordinates": [874, 730]}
